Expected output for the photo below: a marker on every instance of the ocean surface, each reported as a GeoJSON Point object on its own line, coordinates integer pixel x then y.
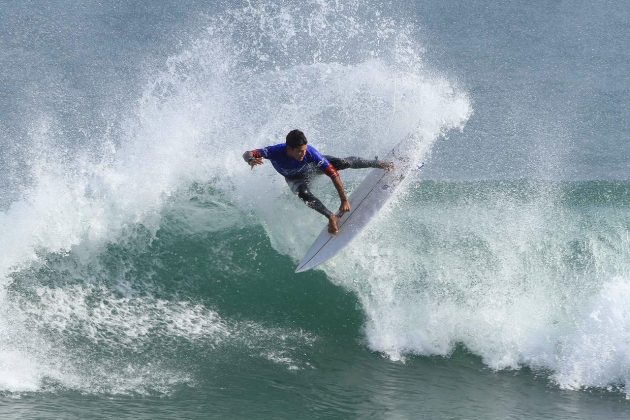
{"type": "Point", "coordinates": [147, 272]}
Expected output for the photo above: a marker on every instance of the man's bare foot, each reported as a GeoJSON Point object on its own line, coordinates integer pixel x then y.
{"type": "Point", "coordinates": [332, 224]}
{"type": "Point", "coordinates": [388, 166]}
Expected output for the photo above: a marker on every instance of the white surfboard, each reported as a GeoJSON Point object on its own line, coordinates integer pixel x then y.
{"type": "Point", "coordinates": [366, 200]}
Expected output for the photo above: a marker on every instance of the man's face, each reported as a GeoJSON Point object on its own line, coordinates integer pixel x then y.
{"type": "Point", "coordinates": [297, 153]}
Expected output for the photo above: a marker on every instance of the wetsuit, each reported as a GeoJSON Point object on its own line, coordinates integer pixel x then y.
{"type": "Point", "coordinates": [298, 174]}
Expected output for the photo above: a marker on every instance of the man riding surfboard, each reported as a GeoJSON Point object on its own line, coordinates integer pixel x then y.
{"type": "Point", "coordinates": [299, 162]}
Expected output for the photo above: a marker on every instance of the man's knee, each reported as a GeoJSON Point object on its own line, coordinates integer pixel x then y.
{"type": "Point", "coordinates": [304, 193]}
{"type": "Point", "coordinates": [312, 201]}
{"type": "Point", "coordinates": [338, 163]}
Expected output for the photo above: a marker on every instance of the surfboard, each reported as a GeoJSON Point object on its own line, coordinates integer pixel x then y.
{"type": "Point", "coordinates": [365, 202]}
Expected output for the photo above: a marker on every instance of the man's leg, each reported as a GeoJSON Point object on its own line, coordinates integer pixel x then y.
{"type": "Point", "coordinates": [356, 163]}
{"type": "Point", "coordinates": [313, 202]}
{"type": "Point", "coordinates": [301, 188]}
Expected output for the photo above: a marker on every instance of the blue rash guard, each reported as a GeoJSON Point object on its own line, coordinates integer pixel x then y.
{"type": "Point", "coordinates": [291, 168]}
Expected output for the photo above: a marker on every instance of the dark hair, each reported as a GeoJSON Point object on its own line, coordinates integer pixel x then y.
{"type": "Point", "coordinates": [296, 138]}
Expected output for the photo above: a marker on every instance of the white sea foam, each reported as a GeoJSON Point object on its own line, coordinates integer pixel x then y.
{"type": "Point", "coordinates": [519, 283]}
{"type": "Point", "coordinates": [90, 339]}
{"type": "Point", "coordinates": [596, 353]}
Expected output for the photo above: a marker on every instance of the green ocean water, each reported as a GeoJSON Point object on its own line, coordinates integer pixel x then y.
{"type": "Point", "coordinates": [198, 321]}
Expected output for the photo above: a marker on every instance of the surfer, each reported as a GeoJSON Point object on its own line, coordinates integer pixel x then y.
{"type": "Point", "coordinates": [299, 162]}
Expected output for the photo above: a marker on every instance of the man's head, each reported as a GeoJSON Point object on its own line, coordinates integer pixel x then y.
{"type": "Point", "coordinates": [296, 144]}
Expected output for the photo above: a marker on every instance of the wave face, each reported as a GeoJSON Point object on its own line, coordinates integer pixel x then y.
{"type": "Point", "coordinates": [81, 306]}
{"type": "Point", "coordinates": [146, 255]}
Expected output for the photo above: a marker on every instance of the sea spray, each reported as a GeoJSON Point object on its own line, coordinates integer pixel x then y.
{"type": "Point", "coordinates": [350, 75]}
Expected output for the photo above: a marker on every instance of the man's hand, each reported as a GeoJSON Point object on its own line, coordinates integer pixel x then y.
{"type": "Point", "coordinates": [255, 161]}
{"type": "Point", "coordinates": [344, 207]}
{"type": "Point", "coordinates": [251, 160]}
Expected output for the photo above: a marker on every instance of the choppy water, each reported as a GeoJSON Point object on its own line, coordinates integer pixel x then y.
{"type": "Point", "coordinates": [145, 271]}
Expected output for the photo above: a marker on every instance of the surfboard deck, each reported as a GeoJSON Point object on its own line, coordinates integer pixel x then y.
{"type": "Point", "coordinates": [366, 200]}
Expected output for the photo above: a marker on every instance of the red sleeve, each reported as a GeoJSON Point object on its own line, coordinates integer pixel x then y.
{"type": "Point", "coordinates": [257, 153]}
{"type": "Point", "coordinates": [331, 171]}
